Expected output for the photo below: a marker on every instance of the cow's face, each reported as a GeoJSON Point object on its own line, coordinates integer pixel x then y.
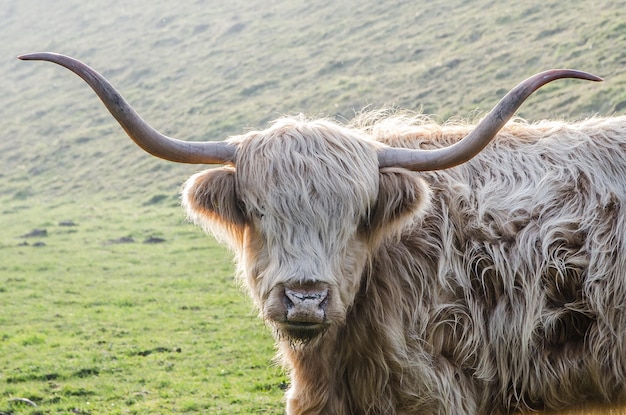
{"type": "Point", "coordinates": [303, 209]}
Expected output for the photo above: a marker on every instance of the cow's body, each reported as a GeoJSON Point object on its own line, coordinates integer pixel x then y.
{"type": "Point", "coordinates": [523, 270]}
{"type": "Point", "coordinates": [507, 291]}
{"type": "Point", "coordinates": [395, 286]}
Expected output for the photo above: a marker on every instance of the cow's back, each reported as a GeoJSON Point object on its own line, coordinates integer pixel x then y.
{"type": "Point", "coordinates": [519, 266]}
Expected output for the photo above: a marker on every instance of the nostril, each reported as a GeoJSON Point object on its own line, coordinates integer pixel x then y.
{"type": "Point", "coordinates": [305, 304]}
{"type": "Point", "coordinates": [293, 297]}
{"type": "Point", "coordinates": [324, 303]}
{"type": "Point", "coordinates": [287, 301]}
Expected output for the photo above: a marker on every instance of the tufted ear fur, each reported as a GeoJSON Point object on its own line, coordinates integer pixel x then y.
{"type": "Point", "coordinates": [210, 200]}
{"type": "Point", "coordinates": [402, 195]}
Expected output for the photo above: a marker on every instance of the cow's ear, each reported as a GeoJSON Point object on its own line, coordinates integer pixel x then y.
{"type": "Point", "coordinates": [402, 195]}
{"type": "Point", "coordinates": [211, 201]}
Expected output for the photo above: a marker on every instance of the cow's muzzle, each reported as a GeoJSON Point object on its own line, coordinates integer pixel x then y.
{"type": "Point", "coordinates": [305, 311]}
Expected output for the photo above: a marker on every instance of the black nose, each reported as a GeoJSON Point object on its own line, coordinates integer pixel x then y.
{"type": "Point", "coordinates": [306, 305]}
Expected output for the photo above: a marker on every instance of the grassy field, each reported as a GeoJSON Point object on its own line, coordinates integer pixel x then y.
{"type": "Point", "coordinates": [203, 70]}
{"type": "Point", "coordinates": [95, 321]}
{"type": "Point", "coordinates": [98, 320]}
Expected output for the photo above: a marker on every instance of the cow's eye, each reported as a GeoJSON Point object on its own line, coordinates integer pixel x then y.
{"type": "Point", "coordinates": [258, 213]}
{"type": "Point", "coordinates": [241, 205]}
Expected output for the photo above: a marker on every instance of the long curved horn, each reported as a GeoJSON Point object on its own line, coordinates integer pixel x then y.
{"type": "Point", "coordinates": [146, 137]}
{"type": "Point", "coordinates": [485, 131]}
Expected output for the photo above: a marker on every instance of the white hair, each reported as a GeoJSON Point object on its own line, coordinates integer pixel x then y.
{"type": "Point", "coordinates": [498, 286]}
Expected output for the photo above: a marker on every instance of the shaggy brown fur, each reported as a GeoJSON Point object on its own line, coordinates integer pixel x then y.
{"type": "Point", "coordinates": [495, 286]}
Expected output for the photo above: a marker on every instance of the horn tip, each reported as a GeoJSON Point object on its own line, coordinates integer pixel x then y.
{"type": "Point", "coordinates": [37, 56]}
{"type": "Point", "coordinates": [29, 56]}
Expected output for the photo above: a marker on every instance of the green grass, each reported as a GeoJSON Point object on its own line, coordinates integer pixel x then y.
{"type": "Point", "coordinates": [203, 71]}
{"type": "Point", "coordinates": [98, 327]}
{"type": "Point", "coordinates": [90, 326]}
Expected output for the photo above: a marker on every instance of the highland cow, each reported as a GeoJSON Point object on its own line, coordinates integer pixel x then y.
{"type": "Point", "coordinates": [411, 268]}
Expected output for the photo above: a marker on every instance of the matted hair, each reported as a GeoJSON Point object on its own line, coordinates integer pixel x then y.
{"type": "Point", "coordinates": [500, 287]}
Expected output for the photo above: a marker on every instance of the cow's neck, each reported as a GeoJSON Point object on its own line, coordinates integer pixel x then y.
{"type": "Point", "coordinates": [313, 374]}
{"type": "Point", "coordinates": [351, 369]}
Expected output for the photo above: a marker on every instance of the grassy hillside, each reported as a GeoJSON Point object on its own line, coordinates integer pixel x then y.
{"type": "Point", "coordinates": [92, 325]}
{"type": "Point", "coordinates": [202, 70]}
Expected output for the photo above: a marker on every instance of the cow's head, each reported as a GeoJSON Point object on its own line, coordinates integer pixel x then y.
{"type": "Point", "coordinates": [301, 208]}
{"type": "Point", "coordinates": [304, 203]}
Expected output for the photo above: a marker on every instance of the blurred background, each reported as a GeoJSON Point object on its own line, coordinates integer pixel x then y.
{"type": "Point", "coordinates": [203, 70]}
